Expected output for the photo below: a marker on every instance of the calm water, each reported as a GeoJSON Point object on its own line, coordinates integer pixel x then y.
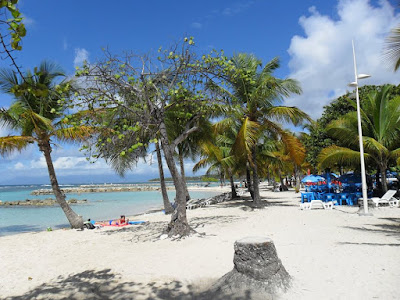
{"type": "Point", "coordinates": [100, 206]}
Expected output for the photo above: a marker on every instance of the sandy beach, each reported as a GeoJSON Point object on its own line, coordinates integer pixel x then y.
{"type": "Point", "coordinates": [330, 254]}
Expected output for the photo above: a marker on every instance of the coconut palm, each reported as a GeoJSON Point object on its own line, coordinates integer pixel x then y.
{"type": "Point", "coordinates": [259, 94]}
{"type": "Point", "coordinates": [381, 134]}
{"type": "Point", "coordinates": [288, 158]}
{"type": "Point", "coordinates": [216, 153]}
{"type": "Point", "coordinates": [36, 114]}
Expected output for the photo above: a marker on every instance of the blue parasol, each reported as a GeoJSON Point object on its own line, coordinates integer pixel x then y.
{"type": "Point", "coordinates": [312, 179]}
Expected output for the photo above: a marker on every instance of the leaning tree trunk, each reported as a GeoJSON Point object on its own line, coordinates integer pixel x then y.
{"type": "Point", "coordinates": [256, 181]}
{"type": "Point", "coordinates": [249, 184]}
{"type": "Point", "coordinates": [182, 165]}
{"type": "Point", "coordinates": [167, 205]}
{"type": "Point", "coordinates": [383, 178]}
{"type": "Point", "coordinates": [74, 220]}
{"type": "Point", "coordinates": [178, 224]}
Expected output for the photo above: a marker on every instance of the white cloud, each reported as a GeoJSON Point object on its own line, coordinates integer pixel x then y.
{"type": "Point", "coordinates": [38, 164]}
{"type": "Point", "coordinates": [322, 60]}
{"type": "Point", "coordinates": [237, 8]}
{"type": "Point", "coordinates": [19, 166]}
{"type": "Point", "coordinates": [65, 45]}
{"type": "Point", "coordinates": [197, 25]}
{"type": "Point", "coordinates": [81, 55]}
{"type": "Point", "coordinates": [28, 21]}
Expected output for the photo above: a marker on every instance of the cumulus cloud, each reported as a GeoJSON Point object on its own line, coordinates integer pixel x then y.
{"type": "Point", "coordinates": [81, 55]}
{"type": "Point", "coordinates": [322, 59]}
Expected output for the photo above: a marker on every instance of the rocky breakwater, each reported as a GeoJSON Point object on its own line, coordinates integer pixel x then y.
{"type": "Point", "coordinates": [98, 189]}
{"type": "Point", "coordinates": [38, 202]}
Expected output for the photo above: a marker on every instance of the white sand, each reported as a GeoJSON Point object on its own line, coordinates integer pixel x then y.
{"type": "Point", "coordinates": [331, 254]}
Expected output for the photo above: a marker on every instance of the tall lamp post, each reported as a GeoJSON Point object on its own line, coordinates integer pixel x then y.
{"type": "Point", "coordinates": [363, 176]}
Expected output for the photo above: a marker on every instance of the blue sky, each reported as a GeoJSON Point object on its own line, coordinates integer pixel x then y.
{"type": "Point", "coordinates": [311, 37]}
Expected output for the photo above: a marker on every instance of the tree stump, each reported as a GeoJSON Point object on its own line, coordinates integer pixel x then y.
{"type": "Point", "coordinates": [258, 273]}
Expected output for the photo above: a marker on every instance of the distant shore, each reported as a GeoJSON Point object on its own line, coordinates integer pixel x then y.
{"type": "Point", "coordinates": [110, 189]}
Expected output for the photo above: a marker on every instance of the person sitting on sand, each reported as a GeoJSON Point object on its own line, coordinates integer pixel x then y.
{"type": "Point", "coordinates": [120, 221]}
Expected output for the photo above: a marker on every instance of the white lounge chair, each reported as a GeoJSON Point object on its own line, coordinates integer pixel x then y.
{"type": "Point", "coordinates": [386, 199]}
{"type": "Point", "coordinates": [313, 203]}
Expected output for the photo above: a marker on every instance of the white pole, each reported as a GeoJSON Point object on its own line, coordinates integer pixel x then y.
{"type": "Point", "coordinates": [363, 178]}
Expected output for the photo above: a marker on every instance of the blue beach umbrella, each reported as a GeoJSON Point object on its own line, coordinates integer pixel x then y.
{"type": "Point", "coordinates": [329, 176]}
{"type": "Point", "coordinates": [312, 179]}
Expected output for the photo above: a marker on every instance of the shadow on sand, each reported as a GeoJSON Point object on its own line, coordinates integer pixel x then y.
{"type": "Point", "coordinates": [104, 284]}
{"type": "Point", "coordinates": [385, 228]}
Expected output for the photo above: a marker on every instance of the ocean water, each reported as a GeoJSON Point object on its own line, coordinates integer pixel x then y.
{"type": "Point", "coordinates": [100, 206]}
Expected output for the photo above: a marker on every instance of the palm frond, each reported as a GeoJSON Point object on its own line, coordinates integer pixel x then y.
{"type": "Point", "coordinates": [9, 144]}
{"type": "Point", "coordinates": [392, 51]}
{"type": "Point", "coordinates": [288, 114]}
{"type": "Point", "coordinates": [8, 80]}
{"type": "Point", "coordinates": [334, 155]}
{"type": "Point", "coordinates": [38, 120]}
{"type": "Point", "coordinates": [373, 146]}
{"type": "Point", "coordinates": [74, 134]}
{"type": "Point", "coordinates": [246, 139]}
{"type": "Point", "coordinates": [294, 148]}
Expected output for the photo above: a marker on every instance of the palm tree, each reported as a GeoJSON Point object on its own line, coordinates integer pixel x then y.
{"type": "Point", "coordinates": [36, 113]}
{"type": "Point", "coordinates": [216, 154]}
{"type": "Point", "coordinates": [381, 134]}
{"type": "Point", "coordinates": [259, 94]}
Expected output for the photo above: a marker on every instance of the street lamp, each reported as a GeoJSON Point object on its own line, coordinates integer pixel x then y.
{"type": "Point", "coordinates": [363, 176]}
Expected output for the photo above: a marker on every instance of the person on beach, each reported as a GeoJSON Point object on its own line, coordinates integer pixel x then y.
{"type": "Point", "coordinates": [120, 221]}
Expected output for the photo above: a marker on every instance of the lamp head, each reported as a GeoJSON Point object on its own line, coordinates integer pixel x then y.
{"type": "Point", "coordinates": [353, 84]}
{"type": "Point", "coordinates": [363, 76]}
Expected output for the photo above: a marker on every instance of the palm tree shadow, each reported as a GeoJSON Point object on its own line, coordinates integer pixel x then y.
{"type": "Point", "coordinates": [385, 228]}
{"type": "Point", "coordinates": [104, 284]}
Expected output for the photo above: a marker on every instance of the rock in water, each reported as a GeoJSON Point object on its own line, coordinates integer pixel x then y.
{"type": "Point", "coordinates": [258, 273]}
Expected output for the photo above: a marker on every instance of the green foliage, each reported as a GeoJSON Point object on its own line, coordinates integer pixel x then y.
{"type": "Point", "coordinates": [209, 179]}
{"type": "Point", "coordinates": [318, 138]}
{"type": "Point", "coordinates": [380, 113]}
{"type": "Point", "coordinates": [15, 24]}
{"type": "Point", "coordinates": [175, 94]}
{"type": "Point", "coordinates": [37, 111]}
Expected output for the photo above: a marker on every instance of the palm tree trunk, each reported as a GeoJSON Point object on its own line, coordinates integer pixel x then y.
{"type": "Point", "coordinates": [167, 205]}
{"type": "Point", "coordinates": [182, 165]}
{"type": "Point", "coordinates": [249, 185]}
{"type": "Point", "coordinates": [74, 220]}
{"type": "Point", "coordinates": [383, 178]}
{"type": "Point", "coordinates": [377, 181]}
{"type": "Point", "coordinates": [284, 187]}
{"type": "Point", "coordinates": [297, 176]}
{"type": "Point", "coordinates": [178, 224]}
{"type": "Point", "coordinates": [233, 189]}
{"type": "Point", "coordinates": [256, 181]}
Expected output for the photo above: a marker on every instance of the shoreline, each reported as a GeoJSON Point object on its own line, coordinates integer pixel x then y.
{"type": "Point", "coordinates": [62, 224]}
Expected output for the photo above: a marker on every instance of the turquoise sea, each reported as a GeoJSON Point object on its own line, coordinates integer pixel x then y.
{"type": "Point", "coordinates": [100, 206]}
